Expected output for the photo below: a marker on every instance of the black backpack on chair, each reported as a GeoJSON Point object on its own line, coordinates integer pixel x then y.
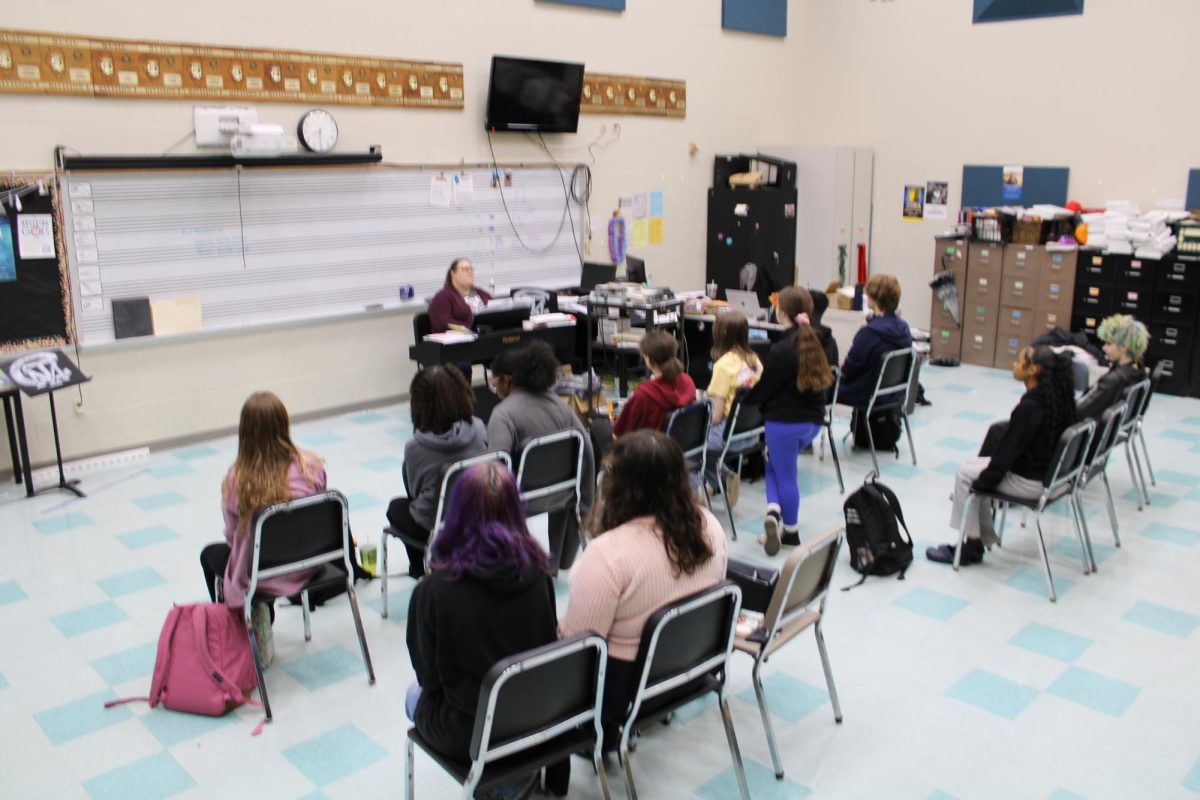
{"type": "Point", "coordinates": [872, 533]}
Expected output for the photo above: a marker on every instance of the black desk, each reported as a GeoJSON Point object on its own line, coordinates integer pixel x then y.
{"type": "Point", "coordinates": [487, 346]}
{"type": "Point", "coordinates": [18, 446]}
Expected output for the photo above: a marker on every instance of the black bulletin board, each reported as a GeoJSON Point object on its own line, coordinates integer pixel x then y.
{"type": "Point", "coordinates": [34, 308]}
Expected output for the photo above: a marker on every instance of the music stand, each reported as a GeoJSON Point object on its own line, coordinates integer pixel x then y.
{"type": "Point", "coordinates": [44, 372]}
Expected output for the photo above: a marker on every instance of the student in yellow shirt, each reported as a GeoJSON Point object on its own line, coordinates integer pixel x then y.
{"type": "Point", "coordinates": [734, 365]}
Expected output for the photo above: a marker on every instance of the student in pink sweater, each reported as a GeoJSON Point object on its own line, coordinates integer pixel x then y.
{"type": "Point", "coordinates": [660, 544]}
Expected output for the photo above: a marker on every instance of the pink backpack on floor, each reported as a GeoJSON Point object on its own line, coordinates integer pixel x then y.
{"type": "Point", "coordinates": [204, 665]}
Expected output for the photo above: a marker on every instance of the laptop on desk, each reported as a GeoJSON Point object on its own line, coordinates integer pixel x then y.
{"type": "Point", "coordinates": [747, 303]}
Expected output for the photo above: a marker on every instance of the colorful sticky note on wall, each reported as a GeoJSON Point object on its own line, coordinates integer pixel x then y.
{"type": "Point", "coordinates": [656, 204]}
{"type": "Point", "coordinates": [641, 204]}
{"type": "Point", "coordinates": [656, 230]}
{"type": "Point", "coordinates": [640, 233]}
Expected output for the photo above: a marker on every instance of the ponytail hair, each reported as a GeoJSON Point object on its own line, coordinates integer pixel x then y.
{"type": "Point", "coordinates": [812, 367]}
{"type": "Point", "coordinates": [662, 350]}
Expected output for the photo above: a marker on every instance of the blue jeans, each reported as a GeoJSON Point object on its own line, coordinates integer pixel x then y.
{"type": "Point", "coordinates": [716, 441]}
{"type": "Point", "coordinates": [411, 697]}
{"type": "Point", "coordinates": [785, 440]}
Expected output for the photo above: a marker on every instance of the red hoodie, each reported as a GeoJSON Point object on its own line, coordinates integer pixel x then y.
{"type": "Point", "coordinates": [651, 402]}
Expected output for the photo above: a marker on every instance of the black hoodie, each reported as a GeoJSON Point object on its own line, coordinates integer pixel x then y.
{"type": "Point", "coordinates": [458, 629]}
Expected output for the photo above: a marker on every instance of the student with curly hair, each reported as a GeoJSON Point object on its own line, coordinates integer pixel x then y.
{"type": "Point", "coordinates": [445, 430]}
{"type": "Point", "coordinates": [792, 395]}
{"type": "Point", "coordinates": [659, 544]}
{"type": "Point", "coordinates": [1021, 457]}
{"type": "Point", "coordinates": [1125, 340]}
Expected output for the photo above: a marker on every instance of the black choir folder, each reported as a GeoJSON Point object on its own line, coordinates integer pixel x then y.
{"type": "Point", "coordinates": [131, 317]}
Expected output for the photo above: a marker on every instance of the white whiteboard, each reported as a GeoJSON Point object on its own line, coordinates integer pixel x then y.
{"type": "Point", "coordinates": [269, 245]}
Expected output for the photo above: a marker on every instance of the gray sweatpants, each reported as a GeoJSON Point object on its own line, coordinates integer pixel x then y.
{"type": "Point", "coordinates": [980, 522]}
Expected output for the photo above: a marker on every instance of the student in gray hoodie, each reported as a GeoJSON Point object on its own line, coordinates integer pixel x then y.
{"type": "Point", "coordinates": [445, 431]}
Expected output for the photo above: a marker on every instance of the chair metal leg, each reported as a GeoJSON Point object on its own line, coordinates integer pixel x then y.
{"type": "Point", "coordinates": [734, 751]}
{"type": "Point", "coordinates": [598, 763]}
{"type": "Point", "coordinates": [471, 782]}
{"type": "Point", "coordinates": [623, 752]}
{"type": "Point", "coordinates": [1137, 487]}
{"type": "Point", "coordinates": [1045, 559]}
{"type": "Point", "coordinates": [410, 784]}
{"type": "Point", "coordinates": [837, 465]}
{"type": "Point", "coordinates": [971, 503]}
{"type": "Point", "coordinates": [724, 486]}
{"type": "Point", "coordinates": [871, 439]}
{"type": "Point", "coordinates": [760, 694]}
{"type": "Point", "coordinates": [307, 615]}
{"type": "Point", "coordinates": [358, 626]}
{"type": "Point", "coordinates": [1081, 532]}
{"type": "Point", "coordinates": [383, 575]}
{"type": "Point", "coordinates": [1003, 521]}
{"type": "Point", "coordinates": [833, 695]}
{"type": "Point", "coordinates": [1112, 509]}
{"type": "Point", "coordinates": [258, 669]}
{"type": "Point", "coordinates": [908, 431]}
{"type": "Point", "coordinates": [1137, 461]}
{"type": "Point", "coordinates": [1146, 452]}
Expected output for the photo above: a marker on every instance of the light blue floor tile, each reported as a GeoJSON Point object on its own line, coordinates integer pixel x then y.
{"type": "Point", "coordinates": [788, 698]}
{"type": "Point", "coordinates": [993, 693]}
{"type": "Point", "coordinates": [1193, 495]}
{"type": "Point", "coordinates": [129, 582]}
{"type": "Point", "coordinates": [930, 603]}
{"type": "Point", "coordinates": [11, 592]}
{"type": "Point", "coordinates": [136, 662]}
{"type": "Point", "coordinates": [3, 681]}
{"type": "Point", "coordinates": [403, 432]}
{"type": "Point", "coordinates": [360, 500]}
{"type": "Point", "coordinates": [399, 593]}
{"type": "Point", "coordinates": [1163, 619]}
{"type": "Point", "coordinates": [1157, 498]}
{"type": "Point", "coordinates": [193, 453]}
{"type": "Point", "coordinates": [898, 469]}
{"type": "Point", "coordinates": [325, 668]}
{"type": "Point", "coordinates": [947, 468]}
{"type": "Point", "coordinates": [167, 471]}
{"type": "Point", "coordinates": [1191, 420]}
{"type": "Point", "coordinates": [974, 416]}
{"type": "Point", "coordinates": [958, 388]}
{"type": "Point", "coordinates": [314, 796]}
{"type": "Point", "coordinates": [80, 717]}
{"type": "Point", "coordinates": [173, 727]}
{"type": "Point", "coordinates": [334, 755]}
{"type": "Point", "coordinates": [1192, 781]}
{"type": "Point", "coordinates": [1099, 692]}
{"type": "Point", "coordinates": [1171, 534]}
{"type": "Point", "coordinates": [90, 618]}
{"type": "Point", "coordinates": [1033, 581]}
{"type": "Point", "coordinates": [144, 537]}
{"type": "Point", "coordinates": [958, 443]}
{"type": "Point", "coordinates": [938, 794]}
{"type": "Point", "coordinates": [368, 418]}
{"type": "Point", "coordinates": [319, 439]}
{"type": "Point", "coordinates": [1175, 476]}
{"type": "Point", "coordinates": [1063, 794]}
{"type": "Point", "coordinates": [1051, 642]}
{"type": "Point", "coordinates": [155, 502]}
{"type": "Point", "coordinates": [384, 464]}
{"type": "Point", "coordinates": [154, 778]}
{"type": "Point", "coordinates": [62, 522]}
{"type": "Point", "coordinates": [698, 708]}
{"type": "Point", "coordinates": [1069, 548]}
{"type": "Point", "coordinates": [761, 780]}
{"type": "Point", "coordinates": [1182, 436]}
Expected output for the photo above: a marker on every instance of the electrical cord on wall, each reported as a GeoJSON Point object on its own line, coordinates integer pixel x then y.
{"type": "Point", "coordinates": [580, 195]}
{"type": "Point", "coordinates": [507, 213]}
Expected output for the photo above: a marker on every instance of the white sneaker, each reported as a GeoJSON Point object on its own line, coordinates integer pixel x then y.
{"type": "Point", "coordinates": [260, 619]}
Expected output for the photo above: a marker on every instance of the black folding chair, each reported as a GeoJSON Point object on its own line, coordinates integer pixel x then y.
{"type": "Point", "coordinates": [688, 426]}
{"type": "Point", "coordinates": [1066, 466]}
{"type": "Point", "coordinates": [830, 407]}
{"type": "Point", "coordinates": [299, 535]}
{"type": "Point", "coordinates": [743, 435]}
{"type": "Point", "coordinates": [449, 477]}
{"type": "Point", "coordinates": [683, 656]}
{"type": "Point", "coordinates": [1137, 397]}
{"type": "Point", "coordinates": [891, 391]}
{"type": "Point", "coordinates": [797, 604]}
{"type": "Point", "coordinates": [1155, 376]}
{"type": "Point", "coordinates": [535, 709]}
{"type": "Point", "coordinates": [1096, 466]}
{"type": "Point", "coordinates": [550, 478]}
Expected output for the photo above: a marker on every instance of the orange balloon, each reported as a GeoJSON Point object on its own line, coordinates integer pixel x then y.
{"type": "Point", "coordinates": [1081, 233]}
{"type": "Point", "coordinates": [1075, 206]}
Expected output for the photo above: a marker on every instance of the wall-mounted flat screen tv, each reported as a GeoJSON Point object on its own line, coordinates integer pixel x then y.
{"type": "Point", "coordinates": [538, 96]}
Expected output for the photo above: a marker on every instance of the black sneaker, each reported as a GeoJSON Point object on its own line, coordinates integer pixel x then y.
{"type": "Point", "coordinates": [790, 539]}
{"type": "Point", "coordinates": [972, 553]}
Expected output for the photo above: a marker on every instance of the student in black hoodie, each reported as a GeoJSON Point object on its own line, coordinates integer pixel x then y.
{"type": "Point", "coordinates": [820, 303]}
{"type": "Point", "coordinates": [883, 333]}
{"type": "Point", "coordinates": [488, 596]}
{"type": "Point", "coordinates": [1020, 460]}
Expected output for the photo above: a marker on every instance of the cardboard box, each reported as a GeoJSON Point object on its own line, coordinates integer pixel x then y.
{"type": "Point", "coordinates": [1023, 261]}
{"type": "Point", "coordinates": [1016, 322]}
{"type": "Point", "coordinates": [979, 349]}
{"type": "Point", "coordinates": [840, 301]}
{"type": "Point", "coordinates": [945, 342]}
{"type": "Point", "coordinates": [1020, 292]}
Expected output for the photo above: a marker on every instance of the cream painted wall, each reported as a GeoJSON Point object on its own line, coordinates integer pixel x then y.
{"type": "Point", "coordinates": [148, 394]}
{"type": "Point", "coordinates": [1102, 93]}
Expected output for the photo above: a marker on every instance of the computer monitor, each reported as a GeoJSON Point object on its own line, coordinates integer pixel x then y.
{"type": "Point", "coordinates": [635, 269]}
{"type": "Point", "coordinates": [501, 315]}
{"type": "Point", "coordinates": [595, 274]}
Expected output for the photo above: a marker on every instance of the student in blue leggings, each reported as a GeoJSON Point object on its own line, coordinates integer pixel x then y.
{"type": "Point", "coordinates": [791, 393]}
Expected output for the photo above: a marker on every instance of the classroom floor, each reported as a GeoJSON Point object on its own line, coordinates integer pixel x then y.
{"type": "Point", "coordinates": [966, 685]}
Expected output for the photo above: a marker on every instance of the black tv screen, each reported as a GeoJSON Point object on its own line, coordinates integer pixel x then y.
{"type": "Point", "coordinates": [540, 96]}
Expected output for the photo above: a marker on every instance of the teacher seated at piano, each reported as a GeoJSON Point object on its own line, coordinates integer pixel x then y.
{"type": "Point", "coordinates": [459, 300]}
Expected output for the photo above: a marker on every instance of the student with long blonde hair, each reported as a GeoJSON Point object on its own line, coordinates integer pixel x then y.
{"type": "Point", "coordinates": [792, 395]}
{"type": "Point", "coordinates": [269, 469]}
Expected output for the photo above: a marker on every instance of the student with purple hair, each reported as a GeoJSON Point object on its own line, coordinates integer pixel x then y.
{"type": "Point", "coordinates": [488, 595]}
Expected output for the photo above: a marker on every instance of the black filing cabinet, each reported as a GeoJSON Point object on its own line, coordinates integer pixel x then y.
{"type": "Point", "coordinates": [1173, 317]}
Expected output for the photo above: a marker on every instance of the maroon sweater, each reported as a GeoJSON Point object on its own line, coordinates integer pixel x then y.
{"type": "Point", "coordinates": [652, 401]}
{"type": "Point", "coordinates": [448, 307]}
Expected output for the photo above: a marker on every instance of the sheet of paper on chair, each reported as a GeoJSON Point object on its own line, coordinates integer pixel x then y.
{"type": "Point", "coordinates": [177, 315]}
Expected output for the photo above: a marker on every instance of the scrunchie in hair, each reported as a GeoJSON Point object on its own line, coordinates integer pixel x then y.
{"type": "Point", "coordinates": [802, 319]}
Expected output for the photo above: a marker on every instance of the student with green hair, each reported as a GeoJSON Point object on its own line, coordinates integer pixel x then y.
{"type": "Point", "coordinates": [1125, 341]}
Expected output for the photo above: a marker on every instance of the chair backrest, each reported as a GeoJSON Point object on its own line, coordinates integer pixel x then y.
{"type": "Point", "coordinates": [532, 697]}
{"type": "Point", "coordinates": [451, 476]}
{"type": "Point", "coordinates": [804, 580]}
{"type": "Point", "coordinates": [1135, 400]}
{"type": "Point", "coordinates": [895, 374]}
{"type": "Point", "coordinates": [745, 422]}
{"type": "Point", "coordinates": [686, 639]}
{"type": "Point", "coordinates": [1069, 457]}
{"type": "Point", "coordinates": [299, 535]}
{"type": "Point", "coordinates": [551, 465]}
{"type": "Point", "coordinates": [1147, 392]}
{"type": "Point", "coordinates": [688, 426]}
{"type": "Point", "coordinates": [831, 395]}
{"type": "Point", "coordinates": [542, 301]}
{"type": "Point", "coordinates": [1106, 437]}
{"type": "Point", "coordinates": [422, 327]}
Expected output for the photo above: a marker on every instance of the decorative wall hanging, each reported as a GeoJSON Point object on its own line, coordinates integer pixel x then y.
{"type": "Point", "coordinates": [51, 63]}
{"type": "Point", "coordinates": [629, 94]}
